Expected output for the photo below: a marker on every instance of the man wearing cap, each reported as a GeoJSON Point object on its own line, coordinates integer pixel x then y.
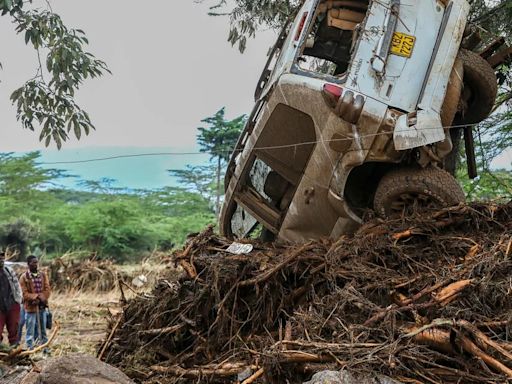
{"type": "Point", "coordinates": [10, 300]}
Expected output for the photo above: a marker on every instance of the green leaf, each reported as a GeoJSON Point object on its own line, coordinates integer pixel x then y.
{"type": "Point", "coordinates": [78, 131]}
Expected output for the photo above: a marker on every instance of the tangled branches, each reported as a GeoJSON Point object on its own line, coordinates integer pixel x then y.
{"type": "Point", "coordinates": [422, 299]}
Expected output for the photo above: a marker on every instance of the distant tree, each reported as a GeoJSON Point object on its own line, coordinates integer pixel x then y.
{"type": "Point", "coordinates": [16, 236]}
{"type": "Point", "coordinates": [47, 100]}
{"type": "Point", "coordinates": [495, 185]}
{"type": "Point", "coordinates": [218, 139]}
{"type": "Point", "coordinates": [494, 135]}
{"type": "Point", "coordinates": [111, 228]}
{"type": "Point", "coordinates": [35, 213]}
{"type": "Point", "coordinates": [176, 202]}
{"type": "Point", "coordinates": [104, 185]}
{"type": "Point", "coordinates": [22, 177]}
{"type": "Point", "coordinates": [198, 179]}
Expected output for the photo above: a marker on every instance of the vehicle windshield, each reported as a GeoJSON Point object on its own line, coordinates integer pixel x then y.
{"type": "Point", "coordinates": [333, 34]}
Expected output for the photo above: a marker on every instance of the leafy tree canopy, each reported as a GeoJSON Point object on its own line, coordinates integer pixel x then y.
{"type": "Point", "coordinates": [46, 101]}
{"type": "Point", "coordinates": [219, 137]}
{"type": "Point", "coordinates": [249, 16]}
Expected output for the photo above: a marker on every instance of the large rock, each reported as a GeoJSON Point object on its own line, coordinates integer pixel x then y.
{"type": "Point", "coordinates": [346, 377]}
{"type": "Point", "coordinates": [76, 369]}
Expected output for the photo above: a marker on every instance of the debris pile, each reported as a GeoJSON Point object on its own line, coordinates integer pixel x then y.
{"type": "Point", "coordinates": [90, 275]}
{"type": "Point", "coordinates": [423, 299]}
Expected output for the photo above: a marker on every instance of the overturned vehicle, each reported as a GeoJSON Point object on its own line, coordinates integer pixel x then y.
{"type": "Point", "coordinates": [361, 106]}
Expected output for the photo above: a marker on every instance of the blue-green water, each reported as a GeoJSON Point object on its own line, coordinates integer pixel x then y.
{"type": "Point", "coordinates": [139, 172]}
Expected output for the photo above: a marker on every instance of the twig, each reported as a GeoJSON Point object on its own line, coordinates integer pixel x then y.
{"type": "Point", "coordinates": [268, 274]}
{"type": "Point", "coordinates": [292, 356]}
{"type": "Point", "coordinates": [189, 268]}
{"type": "Point", "coordinates": [42, 346]}
{"type": "Point", "coordinates": [228, 369]}
{"type": "Point", "coordinates": [405, 234]}
{"type": "Point", "coordinates": [254, 376]}
{"type": "Point", "coordinates": [162, 331]}
{"type": "Point", "coordinates": [450, 292]}
{"type": "Point", "coordinates": [441, 339]}
{"type": "Point", "coordinates": [482, 337]}
{"type": "Point", "coordinates": [425, 291]}
{"type": "Point", "coordinates": [320, 345]}
{"type": "Point", "coordinates": [109, 338]}
{"type": "Point", "coordinates": [494, 324]}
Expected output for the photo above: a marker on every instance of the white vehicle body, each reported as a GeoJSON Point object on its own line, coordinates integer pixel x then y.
{"type": "Point", "coordinates": [310, 129]}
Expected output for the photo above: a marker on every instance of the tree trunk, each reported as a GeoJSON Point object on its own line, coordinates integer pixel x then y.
{"type": "Point", "coordinates": [217, 204]}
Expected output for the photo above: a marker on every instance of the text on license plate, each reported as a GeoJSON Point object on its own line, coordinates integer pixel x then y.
{"type": "Point", "coordinates": [402, 44]}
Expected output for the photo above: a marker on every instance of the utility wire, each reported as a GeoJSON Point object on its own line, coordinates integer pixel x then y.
{"type": "Point", "coordinates": [123, 157]}
{"type": "Point", "coordinates": [347, 137]}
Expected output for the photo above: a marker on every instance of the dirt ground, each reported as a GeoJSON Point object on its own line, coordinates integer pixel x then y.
{"type": "Point", "coordinates": [82, 318]}
{"type": "Point", "coordinates": [83, 315]}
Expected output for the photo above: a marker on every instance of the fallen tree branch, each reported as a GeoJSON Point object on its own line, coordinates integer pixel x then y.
{"type": "Point", "coordinates": [319, 345]}
{"type": "Point", "coordinates": [109, 338]}
{"type": "Point", "coordinates": [484, 338]}
{"type": "Point", "coordinates": [254, 376]}
{"type": "Point", "coordinates": [442, 340]}
{"type": "Point", "coordinates": [224, 370]}
{"type": "Point", "coordinates": [296, 356]}
{"type": "Point", "coordinates": [268, 274]}
{"type": "Point", "coordinates": [450, 292]}
{"type": "Point", "coordinates": [189, 268]}
{"type": "Point", "coordinates": [161, 331]}
{"type": "Point", "coordinates": [42, 346]}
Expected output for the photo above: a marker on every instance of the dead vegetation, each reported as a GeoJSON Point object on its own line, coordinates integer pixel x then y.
{"type": "Point", "coordinates": [425, 299]}
{"type": "Point", "coordinates": [68, 274]}
{"type": "Point", "coordinates": [74, 274]}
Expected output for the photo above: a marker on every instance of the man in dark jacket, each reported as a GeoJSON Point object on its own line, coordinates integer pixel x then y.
{"type": "Point", "coordinates": [10, 300]}
{"type": "Point", "coordinates": [36, 292]}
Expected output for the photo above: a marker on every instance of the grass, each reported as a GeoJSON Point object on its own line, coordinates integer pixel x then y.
{"type": "Point", "coordinates": [83, 319]}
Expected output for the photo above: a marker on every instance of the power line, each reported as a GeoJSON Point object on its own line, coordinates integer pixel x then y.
{"type": "Point", "coordinates": [347, 137]}
{"type": "Point", "coordinates": [123, 157]}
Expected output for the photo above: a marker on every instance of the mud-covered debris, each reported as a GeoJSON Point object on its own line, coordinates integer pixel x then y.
{"type": "Point", "coordinates": [423, 299]}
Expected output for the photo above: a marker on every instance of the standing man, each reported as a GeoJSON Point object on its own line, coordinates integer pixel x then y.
{"type": "Point", "coordinates": [36, 292]}
{"type": "Point", "coordinates": [10, 300]}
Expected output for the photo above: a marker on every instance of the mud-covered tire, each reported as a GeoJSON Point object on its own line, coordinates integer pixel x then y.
{"type": "Point", "coordinates": [481, 80]}
{"type": "Point", "coordinates": [453, 92]}
{"type": "Point", "coordinates": [407, 189]}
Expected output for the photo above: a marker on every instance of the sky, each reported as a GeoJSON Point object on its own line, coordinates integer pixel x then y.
{"type": "Point", "coordinates": [171, 67]}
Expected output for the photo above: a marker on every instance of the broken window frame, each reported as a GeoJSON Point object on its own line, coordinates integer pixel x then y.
{"type": "Point", "coordinates": [310, 24]}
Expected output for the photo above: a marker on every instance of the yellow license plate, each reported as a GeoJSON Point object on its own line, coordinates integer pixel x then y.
{"type": "Point", "coordinates": [402, 44]}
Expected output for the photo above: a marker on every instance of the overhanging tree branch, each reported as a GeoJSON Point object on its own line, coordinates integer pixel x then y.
{"type": "Point", "coordinates": [49, 105]}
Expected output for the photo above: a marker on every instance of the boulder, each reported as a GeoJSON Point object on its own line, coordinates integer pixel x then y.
{"type": "Point", "coordinates": [76, 369]}
{"type": "Point", "coordinates": [346, 377]}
